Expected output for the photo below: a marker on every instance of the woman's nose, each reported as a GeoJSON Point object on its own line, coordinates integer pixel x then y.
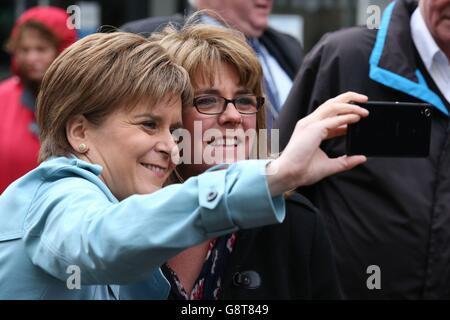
{"type": "Point", "coordinates": [231, 115]}
{"type": "Point", "coordinates": [167, 144]}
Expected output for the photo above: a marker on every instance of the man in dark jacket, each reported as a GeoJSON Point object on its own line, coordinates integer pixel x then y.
{"type": "Point", "coordinates": [389, 220]}
{"type": "Point", "coordinates": [280, 54]}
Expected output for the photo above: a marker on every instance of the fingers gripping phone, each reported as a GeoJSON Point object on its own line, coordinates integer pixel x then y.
{"type": "Point", "coordinates": [392, 129]}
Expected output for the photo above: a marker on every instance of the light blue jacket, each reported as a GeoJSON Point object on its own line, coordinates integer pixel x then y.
{"type": "Point", "coordinates": [61, 218]}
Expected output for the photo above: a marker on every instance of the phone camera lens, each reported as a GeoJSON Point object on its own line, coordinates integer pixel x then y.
{"type": "Point", "coordinates": [427, 112]}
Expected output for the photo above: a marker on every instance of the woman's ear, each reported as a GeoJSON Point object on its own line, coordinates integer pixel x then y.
{"type": "Point", "coordinates": [76, 129]}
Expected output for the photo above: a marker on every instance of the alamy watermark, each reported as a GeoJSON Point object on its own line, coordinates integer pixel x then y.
{"type": "Point", "coordinates": [73, 282]}
{"type": "Point", "coordinates": [374, 17]}
{"type": "Point", "coordinates": [374, 280]}
{"type": "Point", "coordinates": [214, 146]}
{"type": "Point", "coordinates": [74, 19]}
{"type": "Point", "coordinates": [373, 21]}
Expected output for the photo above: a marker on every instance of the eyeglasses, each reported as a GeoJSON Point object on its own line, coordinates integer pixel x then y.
{"type": "Point", "coordinates": [212, 104]}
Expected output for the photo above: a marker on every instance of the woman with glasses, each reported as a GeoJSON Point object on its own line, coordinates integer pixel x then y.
{"type": "Point", "coordinates": [292, 260]}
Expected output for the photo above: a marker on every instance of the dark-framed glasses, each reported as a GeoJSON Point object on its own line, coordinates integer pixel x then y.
{"type": "Point", "coordinates": [214, 104]}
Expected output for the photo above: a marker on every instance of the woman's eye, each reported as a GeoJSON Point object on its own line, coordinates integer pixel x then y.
{"type": "Point", "coordinates": [246, 101]}
{"type": "Point", "coordinates": [206, 101]}
{"type": "Point", "coordinates": [150, 125]}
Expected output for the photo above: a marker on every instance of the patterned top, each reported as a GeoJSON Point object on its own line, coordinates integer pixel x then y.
{"type": "Point", "coordinates": [208, 283]}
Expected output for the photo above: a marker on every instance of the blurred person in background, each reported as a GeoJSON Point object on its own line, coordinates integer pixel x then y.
{"type": "Point", "coordinates": [279, 54]}
{"type": "Point", "coordinates": [37, 38]}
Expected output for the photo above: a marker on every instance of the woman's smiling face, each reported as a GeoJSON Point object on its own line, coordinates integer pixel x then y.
{"type": "Point", "coordinates": [134, 147]}
{"type": "Point", "coordinates": [222, 134]}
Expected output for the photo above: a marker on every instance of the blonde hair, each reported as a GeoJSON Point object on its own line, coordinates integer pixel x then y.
{"type": "Point", "coordinates": [201, 49]}
{"type": "Point", "coordinates": [100, 74]}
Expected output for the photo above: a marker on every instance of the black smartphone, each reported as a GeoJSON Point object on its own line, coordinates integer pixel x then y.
{"type": "Point", "coordinates": [392, 129]}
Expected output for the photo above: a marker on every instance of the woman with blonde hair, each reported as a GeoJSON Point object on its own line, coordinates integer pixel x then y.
{"type": "Point", "coordinates": [292, 260]}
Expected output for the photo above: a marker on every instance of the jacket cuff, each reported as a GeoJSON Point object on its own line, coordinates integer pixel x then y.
{"type": "Point", "coordinates": [240, 197]}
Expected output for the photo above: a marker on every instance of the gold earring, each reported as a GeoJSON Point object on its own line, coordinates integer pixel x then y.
{"type": "Point", "coordinates": [82, 148]}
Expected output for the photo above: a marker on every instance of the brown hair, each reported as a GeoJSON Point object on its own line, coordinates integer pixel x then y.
{"type": "Point", "coordinates": [100, 74]}
{"type": "Point", "coordinates": [201, 48]}
{"type": "Point", "coordinates": [45, 33]}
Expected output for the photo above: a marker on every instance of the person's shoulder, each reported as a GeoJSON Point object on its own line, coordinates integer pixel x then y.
{"type": "Point", "coordinates": [271, 32]}
{"type": "Point", "coordinates": [63, 180]}
{"type": "Point", "coordinates": [58, 176]}
{"type": "Point", "coordinates": [9, 84]}
{"type": "Point", "coordinates": [67, 166]}
{"type": "Point", "coordinates": [52, 179]}
{"type": "Point", "coordinates": [351, 33]}
{"type": "Point", "coordinates": [349, 39]}
{"type": "Point", "coordinates": [347, 47]}
{"type": "Point", "coordinates": [149, 25]}
{"type": "Point", "coordinates": [280, 38]}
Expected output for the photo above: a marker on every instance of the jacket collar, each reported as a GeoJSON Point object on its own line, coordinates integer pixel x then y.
{"type": "Point", "coordinates": [393, 59]}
